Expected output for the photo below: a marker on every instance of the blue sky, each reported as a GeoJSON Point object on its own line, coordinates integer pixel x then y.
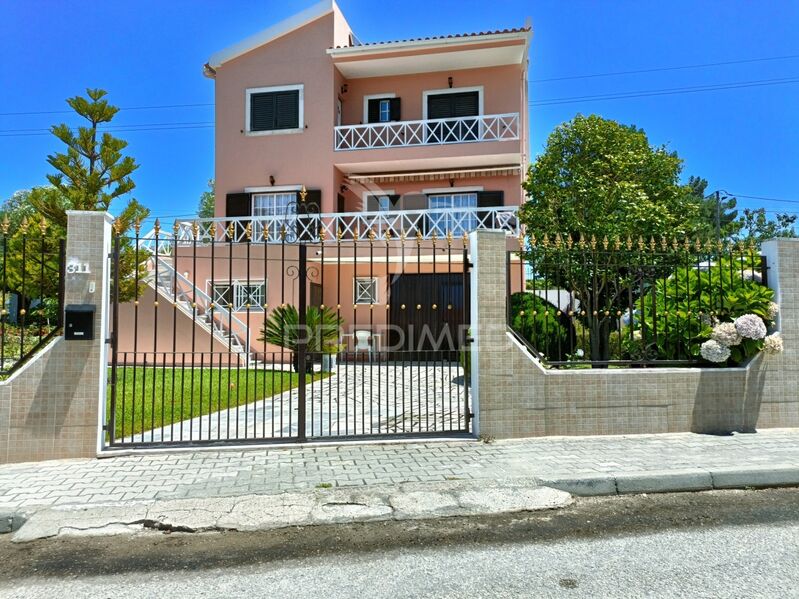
{"type": "Point", "coordinates": [148, 52]}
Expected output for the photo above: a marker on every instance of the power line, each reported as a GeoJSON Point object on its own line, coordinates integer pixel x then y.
{"type": "Point", "coordinates": [111, 127]}
{"type": "Point", "coordinates": [156, 107]}
{"type": "Point", "coordinates": [661, 69]}
{"type": "Point", "coordinates": [118, 130]}
{"type": "Point", "coordinates": [740, 195]}
{"type": "Point", "coordinates": [664, 91]}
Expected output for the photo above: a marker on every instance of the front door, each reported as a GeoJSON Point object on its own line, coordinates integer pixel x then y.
{"type": "Point", "coordinates": [455, 105]}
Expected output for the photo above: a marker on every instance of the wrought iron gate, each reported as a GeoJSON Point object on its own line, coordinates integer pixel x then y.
{"type": "Point", "coordinates": [242, 332]}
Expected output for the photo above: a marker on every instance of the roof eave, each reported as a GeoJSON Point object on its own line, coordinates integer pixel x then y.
{"type": "Point", "coordinates": [302, 18]}
{"type": "Point", "coordinates": [428, 44]}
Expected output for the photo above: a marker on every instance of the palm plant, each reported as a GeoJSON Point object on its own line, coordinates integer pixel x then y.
{"type": "Point", "coordinates": [321, 333]}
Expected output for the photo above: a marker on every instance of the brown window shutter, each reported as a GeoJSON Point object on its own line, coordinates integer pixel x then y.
{"type": "Point", "coordinates": [238, 205]}
{"type": "Point", "coordinates": [490, 199]}
{"type": "Point", "coordinates": [394, 109]}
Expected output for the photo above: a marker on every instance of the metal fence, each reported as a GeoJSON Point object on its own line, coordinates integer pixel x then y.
{"type": "Point", "coordinates": [581, 302]}
{"type": "Point", "coordinates": [254, 340]}
{"type": "Point", "coordinates": [32, 296]}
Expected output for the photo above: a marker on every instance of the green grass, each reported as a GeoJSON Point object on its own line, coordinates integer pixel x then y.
{"type": "Point", "coordinates": [209, 390]}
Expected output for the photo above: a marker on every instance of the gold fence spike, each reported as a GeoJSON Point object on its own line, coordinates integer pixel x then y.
{"type": "Point", "coordinates": [593, 241]}
{"type": "Point", "coordinates": [652, 245]}
{"type": "Point", "coordinates": [372, 235]}
{"type": "Point", "coordinates": [698, 245]}
{"type": "Point", "coordinates": [569, 242]}
{"type": "Point", "coordinates": [465, 239]}
{"type": "Point", "coordinates": [558, 240]}
{"type": "Point", "coordinates": [43, 226]}
{"type": "Point", "coordinates": [116, 228]}
{"type": "Point", "coordinates": [545, 241]}
{"type": "Point", "coordinates": [674, 244]}
{"type": "Point", "coordinates": [388, 235]}
{"type": "Point", "coordinates": [402, 235]}
{"type": "Point", "coordinates": [231, 231]}
{"type": "Point", "coordinates": [533, 240]}
{"type": "Point", "coordinates": [5, 225]}
{"type": "Point", "coordinates": [616, 243]}
{"type": "Point", "coordinates": [248, 231]}
{"type": "Point", "coordinates": [283, 232]}
{"type": "Point", "coordinates": [137, 226]}
{"type": "Point", "coordinates": [339, 234]}
{"type": "Point", "coordinates": [641, 244]}
{"type": "Point", "coordinates": [157, 227]}
{"type": "Point", "coordinates": [322, 234]}
{"type": "Point", "coordinates": [629, 242]}
{"type": "Point", "coordinates": [449, 238]}
{"type": "Point", "coordinates": [605, 243]}
{"type": "Point", "coordinates": [664, 244]}
{"type": "Point", "coordinates": [176, 228]}
{"type": "Point", "coordinates": [212, 231]}
{"type": "Point", "coordinates": [581, 241]}
{"type": "Point", "coordinates": [418, 237]}
{"type": "Point", "coordinates": [521, 241]}
{"type": "Point", "coordinates": [23, 226]}
{"type": "Point", "coordinates": [303, 193]}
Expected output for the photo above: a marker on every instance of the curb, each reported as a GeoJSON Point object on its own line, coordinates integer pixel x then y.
{"type": "Point", "coordinates": [673, 481]}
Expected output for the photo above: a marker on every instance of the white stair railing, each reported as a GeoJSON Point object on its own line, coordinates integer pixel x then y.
{"type": "Point", "coordinates": [217, 320]}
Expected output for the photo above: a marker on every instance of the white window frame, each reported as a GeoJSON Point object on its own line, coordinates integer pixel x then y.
{"type": "Point", "coordinates": [210, 284]}
{"type": "Point", "coordinates": [368, 194]}
{"type": "Point", "coordinates": [277, 88]}
{"type": "Point", "coordinates": [480, 89]}
{"type": "Point", "coordinates": [442, 228]}
{"type": "Point", "coordinates": [386, 96]}
{"type": "Point", "coordinates": [373, 280]}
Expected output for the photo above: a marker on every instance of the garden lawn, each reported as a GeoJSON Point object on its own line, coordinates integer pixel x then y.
{"type": "Point", "coordinates": [161, 396]}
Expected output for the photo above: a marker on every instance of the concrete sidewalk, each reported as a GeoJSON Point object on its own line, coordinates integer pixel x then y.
{"type": "Point", "coordinates": [581, 465]}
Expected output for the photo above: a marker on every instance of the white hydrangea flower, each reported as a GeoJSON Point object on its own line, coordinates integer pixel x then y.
{"type": "Point", "coordinates": [726, 334]}
{"type": "Point", "coordinates": [707, 320]}
{"type": "Point", "coordinates": [772, 344]}
{"type": "Point", "coordinates": [773, 310]}
{"type": "Point", "coordinates": [750, 326]}
{"type": "Point", "coordinates": [713, 351]}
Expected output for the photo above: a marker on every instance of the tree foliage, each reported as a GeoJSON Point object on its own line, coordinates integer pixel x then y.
{"type": "Point", "coordinates": [599, 177]}
{"type": "Point", "coordinates": [93, 172]}
{"type": "Point", "coordinates": [757, 227]}
{"type": "Point", "coordinates": [205, 208]}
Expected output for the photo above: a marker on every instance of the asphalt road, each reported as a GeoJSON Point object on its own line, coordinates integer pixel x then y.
{"type": "Point", "coordinates": [716, 544]}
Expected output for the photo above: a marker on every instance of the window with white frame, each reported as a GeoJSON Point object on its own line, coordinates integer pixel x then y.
{"type": "Point", "coordinates": [385, 111]}
{"type": "Point", "coordinates": [456, 222]}
{"type": "Point", "coordinates": [240, 295]}
{"type": "Point", "coordinates": [365, 290]}
{"type": "Point", "coordinates": [281, 205]}
{"type": "Point", "coordinates": [274, 110]}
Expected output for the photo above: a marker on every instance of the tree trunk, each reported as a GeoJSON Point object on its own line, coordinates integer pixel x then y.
{"type": "Point", "coordinates": [600, 327]}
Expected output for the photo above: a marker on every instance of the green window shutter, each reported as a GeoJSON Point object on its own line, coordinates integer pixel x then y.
{"type": "Point", "coordinates": [270, 111]}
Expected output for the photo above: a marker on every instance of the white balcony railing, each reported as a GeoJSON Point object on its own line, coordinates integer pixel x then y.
{"type": "Point", "coordinates": [314, 228]}
{"type": "Point", "coordinates": [428, 132]}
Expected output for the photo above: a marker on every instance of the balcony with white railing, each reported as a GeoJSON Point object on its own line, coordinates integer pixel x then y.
{"type": "Point", "coordinates": [315, 228]}
{"type": "Point", "coordinates": [428, 132]}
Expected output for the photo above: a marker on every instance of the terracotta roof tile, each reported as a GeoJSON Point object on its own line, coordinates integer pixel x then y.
{"type": "Point", "coordinates": [441, 37]}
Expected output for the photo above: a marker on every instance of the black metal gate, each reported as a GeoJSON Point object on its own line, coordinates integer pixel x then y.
{"type": "Point", "coordinates": [246, 332]}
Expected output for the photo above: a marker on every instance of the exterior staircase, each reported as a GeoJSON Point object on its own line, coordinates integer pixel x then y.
{"type": "Point", "coordinates": [217, 320]}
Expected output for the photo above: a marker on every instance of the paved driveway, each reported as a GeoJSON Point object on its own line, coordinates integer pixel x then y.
{"type": "Point", "coordinates": [359, 399]}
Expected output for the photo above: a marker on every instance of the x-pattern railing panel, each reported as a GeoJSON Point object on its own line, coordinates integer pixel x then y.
{"type": "Point", "coordinates": [492, 127]}
{"type": "Point", "coordinates": [347, 225]}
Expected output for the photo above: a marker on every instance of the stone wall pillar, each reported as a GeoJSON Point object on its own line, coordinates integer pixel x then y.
{"type": "Point", "coordinates": [53, 406]}
{"type": "Point", "coordinates": [490, 368]}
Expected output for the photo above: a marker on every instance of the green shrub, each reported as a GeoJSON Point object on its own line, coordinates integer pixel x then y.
{"type": "Point", "coordinates": [539, 323]}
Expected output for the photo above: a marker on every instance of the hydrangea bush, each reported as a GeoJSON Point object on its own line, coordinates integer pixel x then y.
{"type": "Point", "coordinates": [716, 313]}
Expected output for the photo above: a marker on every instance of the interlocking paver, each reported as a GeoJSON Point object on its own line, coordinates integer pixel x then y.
{"type": "Point", "coordinates": [230, 473]}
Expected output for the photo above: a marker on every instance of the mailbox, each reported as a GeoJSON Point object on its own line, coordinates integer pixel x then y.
{"type": "Point", "coordinates": [79, 322]}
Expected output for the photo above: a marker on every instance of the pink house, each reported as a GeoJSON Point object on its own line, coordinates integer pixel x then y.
{"type": "Point", "coordinates": [415, 141]}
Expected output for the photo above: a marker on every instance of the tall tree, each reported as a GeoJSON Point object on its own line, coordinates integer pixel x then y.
{"type": "Point", "coordinates": [757, 227]}
{"type": "Point", "coordinates": [93, 172]}
{"type": "Point", "coordinates": [598, 178]}
{"type": "Point", "coordinates": [205, 208]}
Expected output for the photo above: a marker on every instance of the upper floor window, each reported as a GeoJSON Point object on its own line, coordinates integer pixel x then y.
{"type": "Point", "coordinates": [381, 108]}
{"type": "Point", "coordinates": [272, 110]}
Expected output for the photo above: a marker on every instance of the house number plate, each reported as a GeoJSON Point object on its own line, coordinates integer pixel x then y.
{"type": "Point", "coordinates": [78, 268]}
